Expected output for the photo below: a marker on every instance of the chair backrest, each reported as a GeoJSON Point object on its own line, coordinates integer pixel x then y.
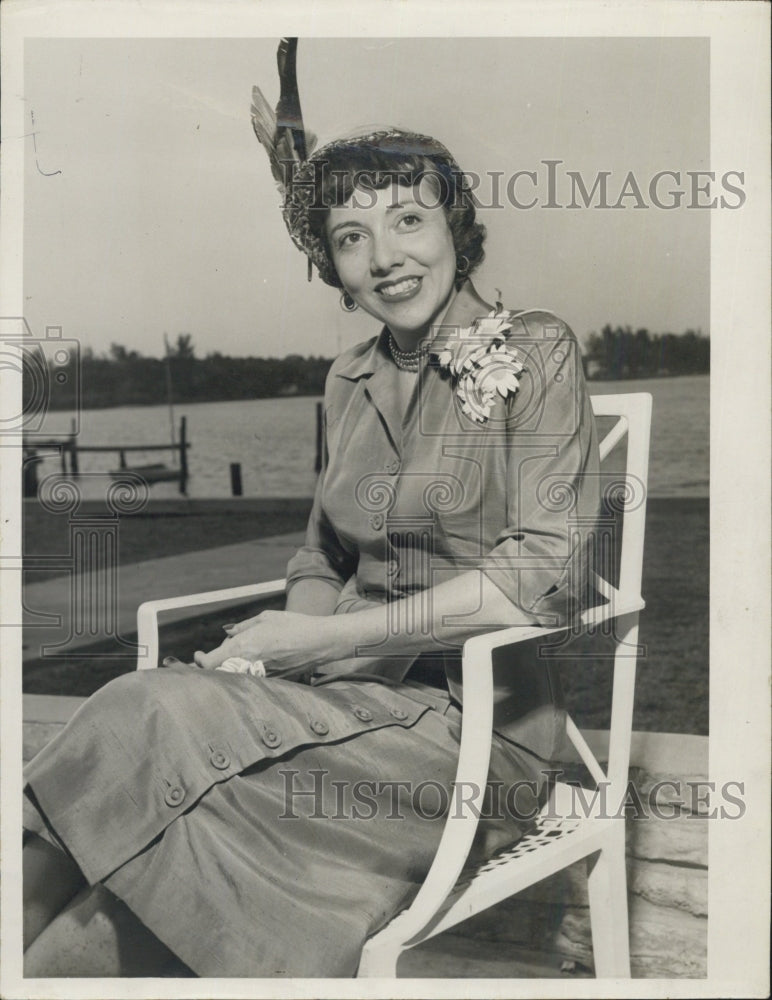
{"type": "Point", "coordinates": [625, 497]}
{"type": "Point", "coordinates": [628, 495]}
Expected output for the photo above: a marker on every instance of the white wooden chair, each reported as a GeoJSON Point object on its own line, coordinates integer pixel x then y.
{"type": "Point", "coordinates": [563, 833]}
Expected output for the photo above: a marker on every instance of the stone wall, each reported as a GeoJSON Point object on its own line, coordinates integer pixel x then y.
{"type": "Point", "coordinates": [667, 876]}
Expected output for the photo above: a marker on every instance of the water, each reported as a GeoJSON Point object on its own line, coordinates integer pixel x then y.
{"type": "Point", "coordinates": [679, 461]}
{"type": "Point", "coordinates": [274, 440]}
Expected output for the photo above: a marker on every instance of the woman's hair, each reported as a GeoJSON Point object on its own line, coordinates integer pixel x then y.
{"type": "Point", "coordinates": [374, 161]}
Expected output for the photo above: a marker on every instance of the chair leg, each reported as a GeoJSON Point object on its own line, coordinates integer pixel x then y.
{"type": "Point", "coordinates": [607, 890]}
{"type": "Point", "coordinates": [378, 962]}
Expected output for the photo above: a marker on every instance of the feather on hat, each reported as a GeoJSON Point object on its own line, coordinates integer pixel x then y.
{"type": "Point", "coordinates": [282, 133]}
{"type": "Point", "coordinates": [295, 162]}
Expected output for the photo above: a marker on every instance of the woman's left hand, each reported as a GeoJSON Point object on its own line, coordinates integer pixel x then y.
{"type": "Point", "coordinates": [281, 639]}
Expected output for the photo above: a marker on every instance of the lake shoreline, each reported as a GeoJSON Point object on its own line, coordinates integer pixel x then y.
{"type": "Point", "coordinates": [274, 442]}
{"type": "Point", "coordinates": [141, 404]}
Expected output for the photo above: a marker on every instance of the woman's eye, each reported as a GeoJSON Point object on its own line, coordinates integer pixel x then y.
{"type": "Point", "coordinates": [349, 239]}
{"type": "Point", "coordinates": [410, 221]}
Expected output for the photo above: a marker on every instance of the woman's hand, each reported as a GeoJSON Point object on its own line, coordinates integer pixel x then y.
{"type": "Point", "coordinates": [449, 613]}
{"type": "Point", "coordinates": [281, 639]}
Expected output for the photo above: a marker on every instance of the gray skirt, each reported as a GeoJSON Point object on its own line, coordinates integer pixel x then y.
{"type": "Point", "coordinates": [261, 827]}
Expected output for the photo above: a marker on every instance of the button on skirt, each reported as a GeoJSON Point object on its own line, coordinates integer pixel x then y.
{"type": "Point", "coordinates": [260, 827]}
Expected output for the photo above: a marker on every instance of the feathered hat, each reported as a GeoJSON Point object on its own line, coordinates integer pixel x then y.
{"type": "Point", "coordinates": [284, 138]}
{"type": "Point", "coordinates": [294, 163]}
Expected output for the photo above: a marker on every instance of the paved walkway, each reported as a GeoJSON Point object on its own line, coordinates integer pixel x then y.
{"type": "Point", "coordinates": [74, 612]}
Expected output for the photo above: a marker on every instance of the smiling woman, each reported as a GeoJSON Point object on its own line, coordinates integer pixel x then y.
{"type": "Point", "coordinates": [429, 525]}
{"type": "Point", "coordinates": [395, 258]}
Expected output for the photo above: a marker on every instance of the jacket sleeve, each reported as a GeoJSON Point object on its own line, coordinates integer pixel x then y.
{"type": "Point", "coordinates": [541, 558]}
{"type": "Point", "coordinates": [322, 556]}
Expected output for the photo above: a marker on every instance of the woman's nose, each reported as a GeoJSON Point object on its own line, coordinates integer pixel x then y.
{"type": "Point", "coordinates": [385, 254]}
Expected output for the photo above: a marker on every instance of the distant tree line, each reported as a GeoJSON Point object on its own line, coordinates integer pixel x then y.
{"type": "Point", "coordinates": [128, 378]}
{"type": "Point", "coordinates": [621, 353]}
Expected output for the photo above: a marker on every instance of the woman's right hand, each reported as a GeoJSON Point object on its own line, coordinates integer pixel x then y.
{"type": "Point", "coordinates": [281, 639]}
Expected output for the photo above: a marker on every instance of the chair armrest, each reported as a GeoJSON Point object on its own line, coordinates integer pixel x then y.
{"type": "Point", "coordinates": [147, 613]}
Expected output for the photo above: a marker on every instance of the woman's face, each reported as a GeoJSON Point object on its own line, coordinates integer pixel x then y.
{"type": "Point", "coordinates": [395, 257]}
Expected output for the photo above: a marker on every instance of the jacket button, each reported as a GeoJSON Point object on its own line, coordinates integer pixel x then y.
{"type": "Point", "coordinates": [319, 727]}
{"type": "Point", "coordinates": [219, 760]}
{"type": "Point", "coordinates": [393, 467]}
{"type": "Point", "coordinates": [399, 713]}
{"type": "Point", "coordinates": [363, 714]}
{"type": "Point", "coordinates": [271, 738]}
{"type": "Point", "coordinates": [376, 521]}
{"type": "Point", "coordinates": [174, 795]}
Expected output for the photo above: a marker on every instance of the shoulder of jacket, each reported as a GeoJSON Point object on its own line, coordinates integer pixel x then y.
{"type": "Point", "coordinates": [351, 364]}
{"type": "Point", "coordinates": [541, 323]}
{"type": "Point", "coordinates": [352, 354]}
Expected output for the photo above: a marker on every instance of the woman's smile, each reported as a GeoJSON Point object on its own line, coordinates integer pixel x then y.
{"type": "Point", "coordinates": [394, 253]}
{"type": "Point", "coordinates": [400, 290]}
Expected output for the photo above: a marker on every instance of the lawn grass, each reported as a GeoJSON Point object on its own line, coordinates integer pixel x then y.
{"type": "Point", "coordinates": [672, 688]}
{"type": "Point", "coordinates": [168, 528]}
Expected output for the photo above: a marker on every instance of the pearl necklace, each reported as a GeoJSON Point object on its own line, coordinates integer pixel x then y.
{"type": "Point", "coordinates": [406, 361]}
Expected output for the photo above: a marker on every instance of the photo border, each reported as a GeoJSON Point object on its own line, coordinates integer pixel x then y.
{"type": "Point", "coordinates": [739, 495]}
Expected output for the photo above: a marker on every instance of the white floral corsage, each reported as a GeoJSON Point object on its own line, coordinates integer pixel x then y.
{"type": "Point", "coordinates": [484, 364]}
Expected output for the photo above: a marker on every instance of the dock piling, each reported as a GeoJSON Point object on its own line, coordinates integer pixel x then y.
{"type": "Point", "coordinates": [183, 446]}
{"type": "Point", "coordinates": [73, 448]}
{"type": "Point", "coordinates": [236, 489]}
{"type": "Point", "coordinates": [319, 437]}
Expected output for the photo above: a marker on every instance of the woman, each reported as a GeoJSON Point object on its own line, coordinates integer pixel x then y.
{"type": "Point", "coordinates": [259, 826]}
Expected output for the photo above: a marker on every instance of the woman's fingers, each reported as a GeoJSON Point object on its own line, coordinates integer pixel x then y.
{"type": "Point", "coordinates": [279, 638]}
{"type": "Point", "coordinates": [225, 658]}
{"type": "Point", "coordinates": [213, 659]}
{"type": "Point", "coordinates": [240, 645]}
{"type": "Point", "coordinates": [173, 661]}
{"type": "Point", "coordinates": [234, 628]}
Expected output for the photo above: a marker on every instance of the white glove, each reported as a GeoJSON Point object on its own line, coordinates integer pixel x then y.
{"type": "Point", "coordinates": [238, 665]}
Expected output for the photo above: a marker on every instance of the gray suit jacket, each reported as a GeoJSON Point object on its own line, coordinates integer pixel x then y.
{"type": "Point", "coordinates": [404, 501]}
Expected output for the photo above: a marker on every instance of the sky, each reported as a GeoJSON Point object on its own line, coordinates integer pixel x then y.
{"type": "Point", "coordinates": [149, 207]}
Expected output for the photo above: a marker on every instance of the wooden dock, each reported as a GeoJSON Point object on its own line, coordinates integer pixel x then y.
{"type": "Point", "coordinates": [69, 450]}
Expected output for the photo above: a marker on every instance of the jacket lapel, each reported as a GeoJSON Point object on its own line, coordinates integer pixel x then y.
{"type": "Point", "coordinates": [383, 392]}
{"type": "Point", "coordinates": [377, 374]}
